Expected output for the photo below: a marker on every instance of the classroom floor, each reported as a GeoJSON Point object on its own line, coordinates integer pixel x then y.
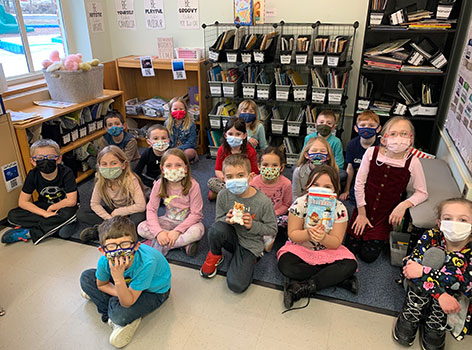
{"type": "Point", "coordinates": [44, 310]}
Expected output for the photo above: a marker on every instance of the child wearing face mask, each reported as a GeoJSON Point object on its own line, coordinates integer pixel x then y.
{"type": "Point", "coordinates": [245, 240]}
{"type": "Point", "coordinates": [117, 192]}
{"type": "Point", "coordinates": [235, 142]}
{"type": "Point", "coordinates": [182, 129]}
{"type": "Point", "coordinates": [439, 280]}
{"type": "Point", "coordinates": [368, 126]}
{"type": "Point", "coordinates": [247, 110]}
{"type": "Point", "coordinates": [381, 180]}
{"type": "Point", "coordinates": [157, 137]}
{"type": "Point", "coordinates": [275, 186]}
{"type": "Point", "coordinates": [181, 226]}
{"type": "Point", "coordinates": [315, 152]}
{"type": "Point", "coordinates": [56, 205]}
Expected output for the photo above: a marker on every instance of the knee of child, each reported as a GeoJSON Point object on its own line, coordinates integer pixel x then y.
{"type": "Point", "coordinates": [216, 229]}
{"type": "Point", "coordinates": [236, 286]}
{"type": "Point", "coordinates": [119, 317]}
{"type": "Point", "coordinates": [87, 278]}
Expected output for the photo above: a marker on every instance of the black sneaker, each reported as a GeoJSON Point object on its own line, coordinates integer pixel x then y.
{"type": "Point", "coordinates": [433, 335]}
{"type": "Point", "coordinates": [351, 284]}
{"type": "Point", "coordinates": [89, 234]}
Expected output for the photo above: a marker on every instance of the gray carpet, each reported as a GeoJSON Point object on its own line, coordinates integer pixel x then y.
{"type": "Point", "coordinates": [378, 290]}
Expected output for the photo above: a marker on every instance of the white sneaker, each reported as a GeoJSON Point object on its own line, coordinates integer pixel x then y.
{"type": "Point", "coordinates": [268, 243]}
{"type": "Point", "coordinates": [121, 336]}
{"type": "Point", "coordinates": [84, 295]}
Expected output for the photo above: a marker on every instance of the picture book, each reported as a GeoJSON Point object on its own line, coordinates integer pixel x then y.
{"type": "Point", "coordinates": [243, 12]}
{"type": "Point", "coordinates": [321, 207]}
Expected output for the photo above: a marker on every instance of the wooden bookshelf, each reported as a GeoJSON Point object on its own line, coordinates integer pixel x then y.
{"type": "Point", "coordinates": [133, 84]}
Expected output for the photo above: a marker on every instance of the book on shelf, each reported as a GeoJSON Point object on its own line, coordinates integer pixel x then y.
{"type": "Point", "coordinates": [267, 40]}
{"type": "Point", "coordinates": [420, 69]}
{"type": "Point", "coordinates": [419, 15]}
{"type": "Point", "coordinates": [310, 114]}
{"type": "Point", "coordinates": [337, 44]}
{"type": "Point", "coordinates": [303, 43]}
{"type": "Point", "coordinates": [366, 87]}
{"type": "Point", "coordinates": [20, 118]}
{"type": "Point", "coordinates": [385, 48]}
{"type": "Point", "coordinates": [295, 77]}
{"type": "Point", "coordinates": [286, 45]}
{"type": "Point", "coordinates": [428, 94]}
{"type": "Point", "coordinates": [378, 5]}
{"type": "Point", "coordinates": [317, 78]}
{"type": "Point", "coordinates": [337, 81]}
{"type": "Point", "coordinates": [407, 93]}
{"type": "Point", "coordinates": [425, 47]}
{"type": "Point", "coordinates": [320, 43]}
{"type": "Point", "coordinates": [276, 113]}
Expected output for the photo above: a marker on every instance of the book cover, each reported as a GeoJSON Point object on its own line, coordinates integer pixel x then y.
{"type": "Point", "coordinates": [321, 207]}
{"type": "Point", "coordinates": [243, 12]}
{"type": "Point", "coordinates": [259, 11]}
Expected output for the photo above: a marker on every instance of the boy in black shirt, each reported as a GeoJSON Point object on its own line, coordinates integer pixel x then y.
{"type": "Point", "coordinates": [158, 139]}
{"type": "Point", "coordinates": [57, 202]}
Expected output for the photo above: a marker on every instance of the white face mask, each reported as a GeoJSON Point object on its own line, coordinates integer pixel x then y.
{"type": "Point", "coordinates": [455, 231]}
{"type": "Point", "coordinates": [174, 175]}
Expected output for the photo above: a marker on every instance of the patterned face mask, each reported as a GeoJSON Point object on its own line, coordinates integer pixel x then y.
{"type": "Point", "coordinates": [161, 145]}
{"type": "Point", "coordinates": [174, 175]}
{"type": "Point", "coordinates": [120, 252]}
{"type": "Point", "coordinates": [111, 173]}
{"type": "Point", "coordinates": [318, 158]}
{"type": "Point", "coordinates": [115, 130]}
{"type": "Point", "coordinates": [270, 173]}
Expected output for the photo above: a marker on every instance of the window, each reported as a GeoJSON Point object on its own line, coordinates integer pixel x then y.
{"type": "Point", "coordinates": [29, 31]}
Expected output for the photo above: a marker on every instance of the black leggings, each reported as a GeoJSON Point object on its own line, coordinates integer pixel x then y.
{"type": "Point", "coordinates": [325, 276]}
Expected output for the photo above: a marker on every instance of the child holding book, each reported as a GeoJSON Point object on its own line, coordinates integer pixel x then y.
{"type": "Point", "coordinates": [117, 192]}
{"type": "Point", "coordinates": [381, 180]}
{"type": "Point", "coordinates": [157, 137]}
{"type": "Point", "coordinates": [235, 142]}
{"type": "Point", "coordinates": [314, 257]}
{"type": "Point", "coordinates": [244, 215]}
{"type": "Point", "coordinates": [248, 111]}
{"type": "Point", "coordinates": [316, 151]}
{"type": "Point", "coordinates": [367, 126]}
{"type": "Point", "coordinates": [181, 226]}
{"type": "Point", "coordinates": [182, 129]}
{"type": "Point", "coordinates": [439, 279]}
{"type": "Point", "coordinates": [275, 186]}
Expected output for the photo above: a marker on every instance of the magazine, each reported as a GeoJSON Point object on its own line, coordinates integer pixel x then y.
{"type": "Point", "coordinates": [321, 207]}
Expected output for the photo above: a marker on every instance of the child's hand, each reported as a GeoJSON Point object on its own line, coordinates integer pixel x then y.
{"type": "Point", "coordinates": [52, 208]}
{"type": "Point", "coordinates": [412, 270]}
{"type": "Point", "coordinates": [317, 233]}
{"type": "Point", "coordinates": [173, 235]}
{"type": "Point", "coordinates": [449, 304]}
{"type": "Point", "coordinates": [221, 177]}
{"type": "Point", "coordinates": [247, 219]}
{"type": "Point", "coordinates": [118, 268]}
{"type": "Point", "coordinates": [253, 142]}
{"type": "Point", "coordinates": [163, 238]}
{"type": "Point", "coordinates": [344, 196]}
{"type": "Point", "coordinates": [229, 216]}
{"type": "Point", "coordinates": [48, 214]}
{"type": "Point", "coordinates": [397, 214]}
{"type": "Point", "coordinates": [359, 225]}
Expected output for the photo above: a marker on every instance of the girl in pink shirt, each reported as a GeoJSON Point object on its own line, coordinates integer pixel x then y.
{"type": "Point", "coordinates": [181, 226]}
{"type": "Point", "coordinates": [275, 186]}
{"type": "Point", "coordinates": [381, 180]}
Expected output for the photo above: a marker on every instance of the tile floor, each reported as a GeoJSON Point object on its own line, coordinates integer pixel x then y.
{"type": "Point", "coordinates": [40, 292]}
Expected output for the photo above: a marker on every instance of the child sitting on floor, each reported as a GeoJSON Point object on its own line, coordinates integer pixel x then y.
{"type": "Point", "coordinates": [248, 111]}
{"type": "Point", "coordinates": [181, 226]}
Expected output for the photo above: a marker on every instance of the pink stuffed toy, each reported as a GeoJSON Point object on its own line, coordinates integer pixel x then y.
{"type": "Point", "coordinates": [53, 57]}
{"type": "Point", "coordinates": [71, 63]}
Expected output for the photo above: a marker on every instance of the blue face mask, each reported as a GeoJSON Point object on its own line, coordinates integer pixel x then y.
{"type": "Point", "coordinates": [234, 141]}
{"type": "Point", "coordinates": [115, 130]}
{"type": "Point", "coordinates": [367, 133]}
{"type": "Point", "coordinates": [237, 186]}
{"type": "Point", "coordinates": [248, 117]}
{"type": "Point", "coordinates": [318, 158]}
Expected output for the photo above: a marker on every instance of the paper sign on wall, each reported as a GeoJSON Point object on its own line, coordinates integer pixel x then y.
{"type": "Point", "coordinates": [188, 14]}
{"type": "Point", "coordinates": [154, 14]}
{"type": "Point", "coordinates": [11, 176]}
{"type": "Point", "coordinates": [178, 70]}
{"type": "Point", "coordinates": [95, 16]}
{"type": "Point", "coordinates": [146, 66]}
{"type": "Point", "coordinates": [165, 48]}
{"type": "Point", "coordinates": [125, 14]}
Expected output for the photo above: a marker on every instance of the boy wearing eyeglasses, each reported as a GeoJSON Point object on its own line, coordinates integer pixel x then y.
{"type": "Point", "coordinates": [57, 196]}
{"type": "Point", "coordinates": [130, 281]}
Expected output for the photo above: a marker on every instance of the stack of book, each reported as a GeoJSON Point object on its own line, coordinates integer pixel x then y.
{"type": "Point", "coordinates": [337, 81]}
{"type": "Point", "coordinates": [317, 78]}
{"type": "Point", "coordinates": [224, 41]}
{"type": "Point", "coordinates": [320, 43]}
{"type": "Point", "coordinates": [407, 93]}
{"type": "Point", "coordinates": [366, 87]}
{"type": "Point", "coordinates": [310, 114]}
{"type": "Point", "coordinates": [227, 108]}
{"type": "Point", "coordinates": [427, 94]}
{"type": "Point", "coordinates": [378, 5]}
{"type": "Point", "coordinates": [381, 107]}
{"type": "Point", "coordinates": [385, 56]}
{"type": "Point", "coordinates": [291, 145]}
{"type": "Point", "coordinates": [215, 73]}
{"type": "Point", "coordinates": [281, 78]}
{"type": "Point", "coordinates": [337, 44]}
{"type": "Point", "coordinates": [286, 44]}
{"type": "Point", "coordinates": [267, 40]}
{"type": "Point", "coordinates": [303, 43]}
{"type": "Point", "coordinates": [215, 137]}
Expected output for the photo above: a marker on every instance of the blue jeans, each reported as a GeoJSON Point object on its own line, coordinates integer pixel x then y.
{"type": "Point", "coordinates": [110, 307]}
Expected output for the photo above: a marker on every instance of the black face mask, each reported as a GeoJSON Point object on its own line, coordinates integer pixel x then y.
{"type": "Point", "coordinates": [323, 129]}
{"type": "Point", "coordinates": [46, 166]}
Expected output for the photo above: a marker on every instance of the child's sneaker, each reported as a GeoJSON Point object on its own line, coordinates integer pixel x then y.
{"type": "Point", "coordinates": [268, 243]}
{"type": "Point", "coordinates": [192, 249]}
{"type": "Point", "coordinates": [16, 234]}
{"type": "Point", "coordinates": [89, 234]}
{"type": "Point", "coordinates": [208, 269]}
{"type": "Point", "coordinates": [121, 335]}
{"type": "Point", "coordinates": [84, 295]}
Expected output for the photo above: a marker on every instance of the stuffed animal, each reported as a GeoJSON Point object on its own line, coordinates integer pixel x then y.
{"type": "Point", "coordinates": [53, 57]}
{"type": "Point", "coordinates": [71, 63]}
{"type": "Point", "coordinates": [238, 211]}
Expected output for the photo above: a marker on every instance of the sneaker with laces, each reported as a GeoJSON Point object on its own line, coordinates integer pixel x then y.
{"type": "Point", "coordinates": [122, 335]}
{"type": "Point", "coordinates": [16, 234]}
{"type": "Point", "coordinates": [433, 332]}
{"type": "Point", "coordinates": [89, 234]}
{"type": "Point", "coordinates": [208, 269]}
{"type": "Point", "coordinates": [192, 249]}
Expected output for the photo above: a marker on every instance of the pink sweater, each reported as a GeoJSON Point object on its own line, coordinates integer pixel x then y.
{"type": "Point", "coordinates": [119, 203]}
{"type": "Point", "coordinates": [187, 209]}
{"type": "Point", "coordinates": [280, 193]}
{"type": "Point", "coordinates": [417, 178]}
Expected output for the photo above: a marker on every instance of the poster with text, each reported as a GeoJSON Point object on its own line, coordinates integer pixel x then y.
{"type": "Point", "coordinates": [154, 14]}
{"type": "Point", "coordinates": [125, 14]}
{"type": "Point", "coordinates": [95, 17]}
{"type": "Point", "coordinates": [459, 116]}
{"type": "Point", "coordinates": [188, 14]}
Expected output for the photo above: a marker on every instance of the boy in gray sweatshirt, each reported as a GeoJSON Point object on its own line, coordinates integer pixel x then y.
{"type": "Point", "coordinates": [244, 215]}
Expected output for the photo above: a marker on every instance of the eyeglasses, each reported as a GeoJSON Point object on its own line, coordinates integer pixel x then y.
{"type": "Point", "coordinates": [45, 156]}
{"type": "Point", "coordinates": [403, 133]}
{"type": "Point", "coordinates": [122, 245]}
